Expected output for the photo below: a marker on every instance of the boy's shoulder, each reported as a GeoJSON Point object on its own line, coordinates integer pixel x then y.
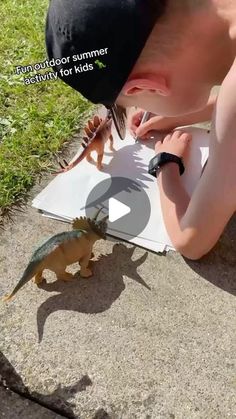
{"type": "Point", "coordinates": [223, 148]}
{"type": "Point", "coordinates": [225, 113]}
{"type": "Point", "coordinates": [231, 75]}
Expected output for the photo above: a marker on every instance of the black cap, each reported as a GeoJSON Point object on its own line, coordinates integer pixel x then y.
{"type": "Point", "coordinates": [111, 32]}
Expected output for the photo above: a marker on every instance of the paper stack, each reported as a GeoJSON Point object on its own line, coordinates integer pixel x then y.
{"type": "Point", "coordinates": [66, 196]}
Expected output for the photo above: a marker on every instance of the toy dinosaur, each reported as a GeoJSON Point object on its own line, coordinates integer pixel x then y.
{"type": "Point", "coordinates": [97, 132]}
{"type": "Point", "coordinates": [100, 64]}
{"type": "Point", "coordinates": [63, 249]}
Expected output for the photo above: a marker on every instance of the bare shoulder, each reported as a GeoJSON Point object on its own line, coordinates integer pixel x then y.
{"type": "Point", "coordinates": [231, 76]}
{"type": "Point", "coordinates": [224, 122]}
{"type": "Point", "coordinates": [222, 156]}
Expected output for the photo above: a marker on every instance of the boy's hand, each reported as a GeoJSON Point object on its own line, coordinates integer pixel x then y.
{"type": "Point", "coordinates": [175, 143]}
{"type": "Point", "coordinates": [155, 122]}
{"type": "Point", "coordinates": [133, 121]}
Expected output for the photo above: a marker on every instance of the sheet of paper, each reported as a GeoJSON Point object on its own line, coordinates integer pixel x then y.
{"type": "Point", "coordinates": [65, 197]}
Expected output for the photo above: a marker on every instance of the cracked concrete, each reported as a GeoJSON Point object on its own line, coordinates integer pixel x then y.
{"type": "Point", "coordinates": [17, 407]}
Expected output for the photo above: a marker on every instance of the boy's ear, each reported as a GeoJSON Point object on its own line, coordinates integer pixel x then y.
{"type": "Point", "coordinates": [146, 83]}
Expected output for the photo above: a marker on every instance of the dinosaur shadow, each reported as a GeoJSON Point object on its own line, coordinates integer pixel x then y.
{"type": "Point", "coordinates": [136, 167]}
{"type": "Point", "coordinates": [96, 294]}
{"type": "Point", "coordinates": [219, 266]}
{"type": "Point", "coordinates": [57, 400]}
{"type": "Point", "coordinates": [117, 184]}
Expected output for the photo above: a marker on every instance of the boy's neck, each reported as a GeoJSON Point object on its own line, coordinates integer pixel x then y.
{"type": "Point", "coordinates": [218, 33]}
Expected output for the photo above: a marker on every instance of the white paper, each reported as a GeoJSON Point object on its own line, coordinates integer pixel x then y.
{"type": "Point", "coordinates": [65, 197]}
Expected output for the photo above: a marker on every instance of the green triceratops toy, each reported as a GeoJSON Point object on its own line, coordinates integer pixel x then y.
{"type": "Point", "coordinates": [63, 249]}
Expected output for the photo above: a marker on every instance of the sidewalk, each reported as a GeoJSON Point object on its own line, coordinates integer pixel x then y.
{"type": "Point", "coordinates": [111, 347]}
{"type": "Point", "coordinates": [16, 407]}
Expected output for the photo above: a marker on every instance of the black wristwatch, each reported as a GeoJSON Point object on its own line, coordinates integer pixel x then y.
{"type": "Point", "coordinates": [163, 158]}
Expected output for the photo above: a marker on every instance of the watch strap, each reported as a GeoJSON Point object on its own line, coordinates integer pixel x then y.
{"type": "Point", "coordinates": [163, 158]}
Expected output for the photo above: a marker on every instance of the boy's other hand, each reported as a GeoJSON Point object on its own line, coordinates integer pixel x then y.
{"type": "Point", "coordinates": [175, 143]}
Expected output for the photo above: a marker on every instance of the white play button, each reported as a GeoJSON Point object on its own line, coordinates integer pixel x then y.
{"type": "Point", "coordinates": [127, 202]}
{"type": "Point", "coordinates": [117, 210]}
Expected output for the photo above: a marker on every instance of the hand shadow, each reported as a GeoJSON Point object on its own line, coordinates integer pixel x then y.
{"type": "Point", "coordinates": [96, 294]}
{"type": "Point", "coordinates": [219, 266]}
{"type": "Point", "coordinates": [57, 400]}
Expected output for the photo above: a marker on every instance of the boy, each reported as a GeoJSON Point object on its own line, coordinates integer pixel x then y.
{"type": "Point", "coordinates": [165, 58]}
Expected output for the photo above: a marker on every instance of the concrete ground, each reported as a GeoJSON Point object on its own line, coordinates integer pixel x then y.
{"type": "Point", "coordinates": [149, 336]}
{"type": "Point", "coordinates": [16, 407]}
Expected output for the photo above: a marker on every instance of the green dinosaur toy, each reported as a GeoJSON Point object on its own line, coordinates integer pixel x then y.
{"type": "Point", "coordinates": [100, 64]}
{"type": "Point", "coordinates": [63, 249]}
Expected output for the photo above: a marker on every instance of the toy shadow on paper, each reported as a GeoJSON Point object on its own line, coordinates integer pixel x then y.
{"type": "Point", "coordinates": [57, 400]}
{"type": "Point", "coordinates": [118, 183]}
{"type": "Point", "coordinates": [96, 294]}
{"type": "Point", "coordinates": [219, 266]}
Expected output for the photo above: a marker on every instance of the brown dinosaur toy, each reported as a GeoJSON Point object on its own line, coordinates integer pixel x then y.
{"type": "Point", "coordinates": [63, 249]}
{"type": "Point", "coordinates": [98, 132]}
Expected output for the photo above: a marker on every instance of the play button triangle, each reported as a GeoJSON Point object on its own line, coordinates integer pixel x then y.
{"type": "Point", "coordinates": [117, 210]}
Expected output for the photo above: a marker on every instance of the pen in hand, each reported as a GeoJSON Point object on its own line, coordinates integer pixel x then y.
{"type": "Point", "coordinates": [145, 118]}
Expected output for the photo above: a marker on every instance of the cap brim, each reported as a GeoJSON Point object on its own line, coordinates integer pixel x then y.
{"type": "Point", "coordinates": [119, 118]}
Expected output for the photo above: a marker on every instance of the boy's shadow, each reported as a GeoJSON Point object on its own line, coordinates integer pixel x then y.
{"type": "Point", "coordinates": [96, 294]}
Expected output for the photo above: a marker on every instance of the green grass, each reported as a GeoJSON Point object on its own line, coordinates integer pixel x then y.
{"type": "Point", "coordinates": [35, 120]}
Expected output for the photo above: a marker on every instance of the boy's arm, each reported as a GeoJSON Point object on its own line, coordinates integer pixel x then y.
{"type": "Point", "coordinates": [195, 225]}
{"type": "Point", "coordinates": [202, 115]}
{"type": "Point", "coordinates": [162, 123]}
